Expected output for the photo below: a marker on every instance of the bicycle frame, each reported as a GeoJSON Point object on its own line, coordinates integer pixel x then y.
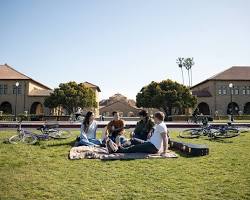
{"type": "Point", "coordinates": [22, 132]}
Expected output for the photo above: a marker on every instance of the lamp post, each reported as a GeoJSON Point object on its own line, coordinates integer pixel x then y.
{"type": "Point", "coordinates": [17, 84]}
{"type": "Point", "coordinates": [231, 100]}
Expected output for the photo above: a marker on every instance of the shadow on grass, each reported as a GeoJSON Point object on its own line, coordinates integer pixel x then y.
{"type": "Point", "coordinates": [219, 140]}
{"type": "Point", "coordinates": [66, 143]}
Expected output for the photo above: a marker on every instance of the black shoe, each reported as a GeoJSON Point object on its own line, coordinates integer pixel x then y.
{"type": "Point", "coordinates": [103, 144]}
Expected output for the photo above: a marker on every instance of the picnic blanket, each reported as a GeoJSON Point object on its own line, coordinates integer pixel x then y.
{"type": "Point", "coordinates": [90, 152]}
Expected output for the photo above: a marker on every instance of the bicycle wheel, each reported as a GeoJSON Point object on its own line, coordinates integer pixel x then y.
{"type": "Point", "coordinates": [229, 133]}
{"type": "Point", "coordinates": [244, 130]}
{"type": "Point", "coordinates": [60, 134]}
{"type": "Point", "coordinates": [29, 139]}
{"type": "Point", "coordinates": [190, 133]}
{"type": "Point", "coordinates": [15, 139]}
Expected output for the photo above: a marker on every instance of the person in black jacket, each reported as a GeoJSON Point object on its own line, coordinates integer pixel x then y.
{"type": "Point", "coordinates": [144, 127]}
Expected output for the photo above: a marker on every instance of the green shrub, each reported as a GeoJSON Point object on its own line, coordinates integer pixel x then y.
{"type": "Point", "coordinates": [23, 117]}
{"type": "Point", "coordinates": [7, 118]}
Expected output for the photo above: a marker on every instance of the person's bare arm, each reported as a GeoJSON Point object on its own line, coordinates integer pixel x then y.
{"type": "Point", "coordinates": [108, 128]}
{"type": "Point", "coordinates": [165, 142]}
{"type": "Point", "coordinates": [106, 132]}
{"type": "Point", "coordinates": [117, 141]}
{"type": "Point", "coordinates": [150, 133]}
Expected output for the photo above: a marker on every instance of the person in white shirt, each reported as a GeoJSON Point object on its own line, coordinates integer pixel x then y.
{"type": "Point", "coordinates": [88, 131]}
{"type": "Point", "coordinates": [158, 142]}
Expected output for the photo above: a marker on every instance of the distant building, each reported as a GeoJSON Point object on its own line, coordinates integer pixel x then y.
{"type": "Point", "coordinates": [97, 90]}
{"type": "Point", "coordinates": [29, 95]}
{"type": "Point", "coordinates": [126, 107]}
{"type": "Point", "coordinates": [214, 94]}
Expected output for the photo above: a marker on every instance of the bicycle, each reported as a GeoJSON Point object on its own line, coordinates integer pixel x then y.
{"type": "Point", "coordinates": [242, 129]}
{"type": "Point", "coordinates": [29, 137]}
{"type": "Point", "coordinates": [197, 119]}
{"type": "Point", "coordinates": [76, 118]}
{"type": "Point", "coordinates": [226, 131]}
{"type": "Point", "coordinates": [54, 132]}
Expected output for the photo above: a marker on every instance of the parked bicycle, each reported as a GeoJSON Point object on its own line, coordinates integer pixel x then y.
{"type": "Point", "coordinates": [28, 137]}
{"type": "Point", "coordinates": [76, 117]}
{"type": "Point", "coordinates": [54, 132]}
{"type": "Point", "coordinates": [197, 119]}
{"type": "Point", "coordinates": [225, 131]}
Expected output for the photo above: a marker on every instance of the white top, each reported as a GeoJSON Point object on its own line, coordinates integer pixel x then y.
{"type": "Point", "coordinates": [156, 139]}
{"type": "Point", "coordinates": [91, 132]}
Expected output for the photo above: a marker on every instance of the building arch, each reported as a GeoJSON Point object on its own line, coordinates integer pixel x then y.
{"type": "Point", "coordinates": [204, 108]}
{"type": "Point", "coordinates": [36, 108]}
{"type": "Point", "coordinates": [233, 108]}
{"type": "Point", "coordinates": [247, 108]}
{"type": "Point", "coordinates": [6, 107]}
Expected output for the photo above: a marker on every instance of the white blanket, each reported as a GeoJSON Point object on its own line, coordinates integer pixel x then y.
{"type": "Point", "coordinates": [89, 152]}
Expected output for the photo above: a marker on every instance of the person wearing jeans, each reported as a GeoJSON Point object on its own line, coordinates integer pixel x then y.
{"type": "Point", "coordinates": [115, 130]}
{"type": "Point", "coordinates": [88, 131]}
{"type": "Point", "coordinates": [157, 142]}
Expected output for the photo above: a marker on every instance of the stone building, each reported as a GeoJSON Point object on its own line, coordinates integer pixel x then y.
{"type": "Point", "coordinates": [97, 90]}
{"type": "Point", "coordinates": [126, 107]}
{"type": "Point", "coordinates": [20, 93]}
{"type": "Point", "coordinates": [215, 94]}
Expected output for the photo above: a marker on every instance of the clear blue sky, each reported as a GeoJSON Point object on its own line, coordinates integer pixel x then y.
{"type": "Point", "coordinates": [121, 45]}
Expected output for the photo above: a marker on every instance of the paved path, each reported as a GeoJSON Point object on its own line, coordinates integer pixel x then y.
{"type": "Point", "coordinates": [102, 124]}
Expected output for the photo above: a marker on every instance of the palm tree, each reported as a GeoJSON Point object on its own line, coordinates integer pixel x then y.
{"type": "Point", "coordinates": [188, 63]}
{"type": "Point", "coordinates": [179, 61]}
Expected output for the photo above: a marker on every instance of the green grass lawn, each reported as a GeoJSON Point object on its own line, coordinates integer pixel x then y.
{"type": "Point", "coordinates": [43, 171]}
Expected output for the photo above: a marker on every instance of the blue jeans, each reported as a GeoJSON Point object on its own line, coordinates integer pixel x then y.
{"type": "Point", "coordinates": [122, 139]}
{"type": "Point", "coordinates": [141, 137]}
{"type": "Point", "coordinates": [90, 142]}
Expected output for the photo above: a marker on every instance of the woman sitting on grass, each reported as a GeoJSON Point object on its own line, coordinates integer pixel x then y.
{"type": "Point", "coordinates": [144, 127]}
{"type": "Point", "coordinates": [158, 142]}
{"type": "Point", "coordinates": [88, 131]}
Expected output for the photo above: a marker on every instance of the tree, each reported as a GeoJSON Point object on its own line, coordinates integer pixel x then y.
{"type": "Point", "coordinates": [179, 61]}
{"type": "Point", "coordinates": [71, 96]}
{"type": "Point", "coordinates": [165, 95]}
{"type": "Point", "coordinates": [188, 64]}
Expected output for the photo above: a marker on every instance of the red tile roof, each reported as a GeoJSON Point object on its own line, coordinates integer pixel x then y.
{"type": "Point", "coordinates": [88, 84]}
{"type": "Point", "coordinates": [8, 73]}
{"type": "Point", "coordinates": [122, 102]}
{"type": "Point", "coordinates": [235, 73]}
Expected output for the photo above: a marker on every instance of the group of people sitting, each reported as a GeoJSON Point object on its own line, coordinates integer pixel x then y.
{"type": "Point", "coordinates": [149, 136]}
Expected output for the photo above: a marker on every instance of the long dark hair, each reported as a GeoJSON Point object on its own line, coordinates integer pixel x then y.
{"type": "Point", "coordinates": [86, 120]}
{"type": "Point", "coordinates": [144, 113]}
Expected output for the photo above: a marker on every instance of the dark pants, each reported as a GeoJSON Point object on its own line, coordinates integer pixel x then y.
{"type": "Point", "coordinates": [137, 146]}
{"type": "Point", "coordinates": [141, 137]}
{"type": "Point", "coordinates": [133, 141]}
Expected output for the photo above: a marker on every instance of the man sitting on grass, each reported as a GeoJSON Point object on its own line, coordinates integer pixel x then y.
{"type": "Point", "coordinates": [115, 130]}
{"type": "Point", "coordinates": [154, 144]}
